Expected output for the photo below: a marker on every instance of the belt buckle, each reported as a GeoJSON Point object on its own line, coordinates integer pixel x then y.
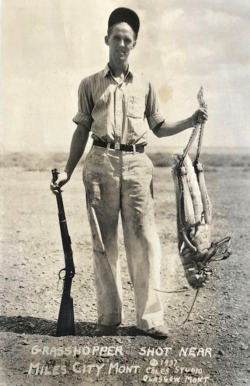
{"type": "Point", "coordinates": [117, 146]}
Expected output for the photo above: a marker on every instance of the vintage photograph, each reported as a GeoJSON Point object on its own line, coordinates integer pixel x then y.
{"type": "Point", "coordinates": [125, 161]}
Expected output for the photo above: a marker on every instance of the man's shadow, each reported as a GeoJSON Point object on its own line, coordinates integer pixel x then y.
{"type": "Point", "coordinates": [38, 326]}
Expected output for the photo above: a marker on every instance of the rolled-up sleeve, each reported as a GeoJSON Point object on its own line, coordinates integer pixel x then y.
{"type": "Point", "coordinates": [85, 105]}
{"type": "Point", "coordinates": [152, 113]}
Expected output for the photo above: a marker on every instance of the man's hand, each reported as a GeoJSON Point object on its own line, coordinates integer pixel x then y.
{"type": "Point", "coordinates": [200, 116]}
{"type": "Point", "coordinates": [63, 178]}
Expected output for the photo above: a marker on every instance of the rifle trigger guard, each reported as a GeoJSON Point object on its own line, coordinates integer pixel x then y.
{"type": "Point", "coordinates": [60, 275]}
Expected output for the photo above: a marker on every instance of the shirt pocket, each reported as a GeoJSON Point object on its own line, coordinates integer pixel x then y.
{"type": "Point", "coordinates": [135, 108]}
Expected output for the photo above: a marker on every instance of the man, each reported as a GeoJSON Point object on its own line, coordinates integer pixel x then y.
{"type": "Point", "coordinates": [119, 106]}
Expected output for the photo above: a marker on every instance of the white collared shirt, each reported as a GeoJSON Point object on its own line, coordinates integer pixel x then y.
{"type": "Point", "coordinates": [118, 111]}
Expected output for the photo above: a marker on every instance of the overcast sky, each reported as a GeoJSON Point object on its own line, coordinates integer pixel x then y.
{"type": "Point", "coordinates": [49, 46]}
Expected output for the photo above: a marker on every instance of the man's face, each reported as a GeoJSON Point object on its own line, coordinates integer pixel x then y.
{"type": "Point", "coordinates": [120, 41]}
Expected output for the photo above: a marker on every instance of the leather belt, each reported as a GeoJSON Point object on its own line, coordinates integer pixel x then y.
{"type": "Point", "coordinates": [120, 146]}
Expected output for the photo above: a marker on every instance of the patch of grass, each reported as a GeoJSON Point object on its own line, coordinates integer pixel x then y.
{"type": "Point", "coordinates": [48, 161]}
{"type": "Point", "coordinates": [161, 159]}
{"type": "Point", "coordinates": [33, 161]}
{"type": "Point", "coordinates": [238, 164]}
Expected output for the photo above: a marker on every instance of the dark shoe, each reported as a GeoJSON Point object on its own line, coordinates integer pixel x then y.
{"type": "Point", "coordinates": [104, 330]}
{"type": "Point", "coordinates": [158, 332]}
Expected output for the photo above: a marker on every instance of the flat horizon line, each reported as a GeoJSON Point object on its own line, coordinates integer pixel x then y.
{"type": "Point", "coordinates": [149, 148]}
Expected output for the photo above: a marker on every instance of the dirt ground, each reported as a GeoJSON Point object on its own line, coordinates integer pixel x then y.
{"type": "Point", "coordinates": [32, 256]}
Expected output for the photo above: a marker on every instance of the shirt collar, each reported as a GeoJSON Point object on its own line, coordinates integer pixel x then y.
{"type": "Point", "coordinates": [107, 71]}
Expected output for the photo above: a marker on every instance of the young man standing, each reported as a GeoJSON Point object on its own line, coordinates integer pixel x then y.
{"type": "Point", "coordinates": [119, 106]}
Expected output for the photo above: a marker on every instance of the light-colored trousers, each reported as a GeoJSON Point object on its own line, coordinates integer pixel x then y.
{"type": "Point", "coordinates": [121, 182]}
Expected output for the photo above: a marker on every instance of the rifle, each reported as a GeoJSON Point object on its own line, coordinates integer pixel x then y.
{"type": "Point", "coordinates": [65, 321]}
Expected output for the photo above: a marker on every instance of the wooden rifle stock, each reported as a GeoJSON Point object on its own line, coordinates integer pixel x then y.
{"type": "Point", "coordinates": [65, 321]}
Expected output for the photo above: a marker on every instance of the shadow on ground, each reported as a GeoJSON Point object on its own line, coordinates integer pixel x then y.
{"type": "Point", "coordinates": [38, 326]}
